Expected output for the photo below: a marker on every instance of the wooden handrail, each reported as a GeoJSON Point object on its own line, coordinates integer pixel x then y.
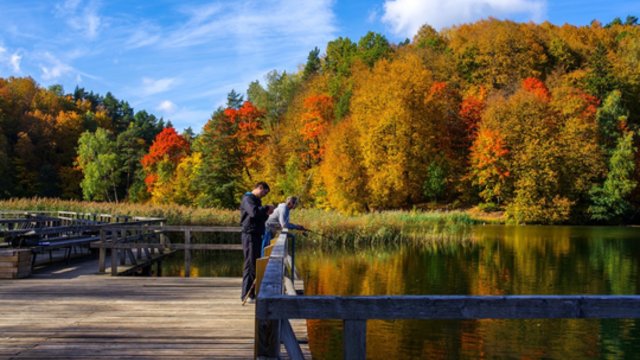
{"type": "Point", "coordinates": [274, 308]}
{"type": "Point", "coordinates": [451, 307]}
{"type": "Point", "coordinates": [124, 237]}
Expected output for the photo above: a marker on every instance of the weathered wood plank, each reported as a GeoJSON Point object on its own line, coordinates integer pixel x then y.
{"type": "Point", "coordinates": [187, 253]}
{"type": "Point", "coordinates": [355, 339]}
{"type": "Point", "coordinates": [290, 342]}
{"type": "Point", "coordinates": [135, 245]}
{"type": "Point", "coordinates": [103, 317]}
{"type": "Point", "coordinates": [178, 228]}
{"type": "Point", "coordinates": [450, 307]}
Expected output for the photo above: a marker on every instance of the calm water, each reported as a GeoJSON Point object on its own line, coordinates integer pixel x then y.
{"type": "Point", "coordinates": [487, 260]}
{"type": "Point", "coordinates": [491, 260]}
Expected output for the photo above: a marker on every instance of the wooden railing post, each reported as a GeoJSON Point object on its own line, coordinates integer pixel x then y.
{"type": "Point", "coordinates": [114, 252]}
{"type": "Point", "coordinates": [122, 252]}
{"type": "Point", "coordinates": [163, 237]}
{"type": "Point", "coordinates": [355, 339]}
{"type": "Point", "coordinates": [187, 253]}
{"type": "Point", "coordinates": [103, 251]}
{"type": "Point", "coordinates": [268, 332]}
{"type": "Point", "coordinates": [290, 342]}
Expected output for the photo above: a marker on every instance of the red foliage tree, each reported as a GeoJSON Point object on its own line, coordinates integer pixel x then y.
{"type": "Point", "coordinates": [246, 125]}
{"type": "Point", "coordinates": [168, 147]}
{"type": "Point", "coordinates": [316, 119]}
{"type": "Point", "coordinates": [167, 144]}
{"type": "Point", "coordinates": [536, 87]}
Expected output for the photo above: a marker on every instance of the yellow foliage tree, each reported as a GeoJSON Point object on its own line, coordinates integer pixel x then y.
{"type": "Point", "coordinates": [342, 173]}
{"type": "Point", "coordinates": [397, 135]}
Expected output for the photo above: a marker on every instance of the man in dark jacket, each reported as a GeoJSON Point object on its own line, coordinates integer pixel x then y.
{"type": "Point", "coordinates": [252, 217]}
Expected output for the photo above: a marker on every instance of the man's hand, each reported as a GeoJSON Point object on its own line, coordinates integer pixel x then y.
{"type": "Point", "coordinates": [270, 209]}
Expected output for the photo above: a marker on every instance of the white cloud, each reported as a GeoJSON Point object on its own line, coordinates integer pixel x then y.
{"type": "Point", "coordinates": [15, 62]}
{"type": "Point", "coordinates": [92, 24]}
{"type": "Point", "coordinates": [11, 61]}
{"type": "Point", "coordinates": [167, 106]}
{"type": "Point", "coordinates": [54, 69]}
{"type": "Point", "coordinates": [145, 35]}
{"type": "Point", "coordinates": [405, 17]}
{"type": "Point", "coordinates": [193, 118]}
{"type": "Point", "coordinates": [80, 17]}
{"type": "Point", "coordinates": [152, 86]}
{"type": "Point", "coordinates": [269, 22]}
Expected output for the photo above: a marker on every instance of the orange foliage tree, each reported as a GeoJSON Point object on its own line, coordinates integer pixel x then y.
{"type": "Point", "coordinates": [161, 161]}
{"type": "Point", "coordinates": [246, 123]}
{"type": "Point", "coordinates": [553, 155]}
{"type": "Point", "coordinates": [489, 164]}
{"type": "Point", "coordinates": [342, 172]}
{"type": "Point", "coordinates": [316, 120]}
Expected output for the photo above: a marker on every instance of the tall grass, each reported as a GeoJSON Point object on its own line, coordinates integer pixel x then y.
{"type": "Point", "coordinates": [383, 227]}
{"type": "Point", "coordinates": [327, 226]}
{"type": "Point", "coordinates": [174, 214]}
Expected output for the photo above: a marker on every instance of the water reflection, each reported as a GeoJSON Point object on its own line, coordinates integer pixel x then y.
{"type": "Point", "coordinates": [227, 263]}
{"type": "Point", "coordinates": [490, 260]}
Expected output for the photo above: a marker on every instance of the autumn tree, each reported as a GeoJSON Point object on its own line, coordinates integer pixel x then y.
{"type": "Point", "coordinates": [399, 114]}
{"type": "Point", "coordinates": [498, 54]}
{"type": "Point", "coordinates": [600, 79]}
{"type": "Point", "coordinates": [230, 145]}
{"type": "Point", "coordinates": [98, 160]}
{"type": "Point", "coordinates": [489, 165]}
{"type": "Point", "coordinates": [316, 120]}
{"type": "Point", "coordinates": [160, 163]}
{"type": "Point", "coordinates": [342, 171]}
{"type": "Point", "coordinates": [184, 182]}
{"type": "Point", "coordinates": [472, 107]}
{"type": "Point", "coordinates": [340, 55]}
{"type": "Point", "coordinates": [313, 64]}
{"type": "Point", "coordinates": [553, 153]}
{"type": "Point", "coordinates": [6, 185]}
{"type": "Point", "coordinates": [274, 100]}
{"type": "Point", "coordinates": [373, 47]}
{"type": "Point", "coordinates": [610, 201]}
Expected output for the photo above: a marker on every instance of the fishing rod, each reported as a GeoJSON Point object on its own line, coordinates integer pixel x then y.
{"type": "Point", "coordinates": [317, 233]}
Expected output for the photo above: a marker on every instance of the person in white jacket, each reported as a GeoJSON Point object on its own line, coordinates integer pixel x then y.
{"type": "Point", "coordinates": [279, 219]}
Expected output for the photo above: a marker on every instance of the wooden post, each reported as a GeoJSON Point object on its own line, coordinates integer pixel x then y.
{"type": "Point", "coordinates": [355, 339]}
{"type": "Point", "coordinates": [114, 253]}
{"type": "Point", "coordinates": [290, 342]}
{"type": "Point", "coordinates": [123, 259]}
{"type": "Point", "coordinates": [187, 253]}
{"type": "Point", "coordinates": [163, 237]}
{"type": "Point", "coordinates": [103, 251]}
{"type": "Point", "coordinates": [268, 331]}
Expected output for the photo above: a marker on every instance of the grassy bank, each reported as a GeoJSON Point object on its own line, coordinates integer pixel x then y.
{"type": "Point", "coordinates": [175, 214]}
{"type": "Point", "coordinates": [327, 225]}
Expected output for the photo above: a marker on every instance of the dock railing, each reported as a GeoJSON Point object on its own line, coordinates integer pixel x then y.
{"type": "Point", "coordinates": [274, 309]}
{"type": "Point", "coordinates": [45, 231]}
{"type": "Point", "coordinates": [151, 241]}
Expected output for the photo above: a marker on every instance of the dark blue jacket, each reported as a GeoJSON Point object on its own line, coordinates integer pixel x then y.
{"type": "Point", "coordinates": [252, 214]}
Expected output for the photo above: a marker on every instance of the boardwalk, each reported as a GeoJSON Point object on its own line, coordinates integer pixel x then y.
{"type": "Point", "coordinates": [98, 317]}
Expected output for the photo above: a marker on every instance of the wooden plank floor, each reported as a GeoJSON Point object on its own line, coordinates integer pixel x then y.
{"type": "Point", "coordinates": [98, 316]}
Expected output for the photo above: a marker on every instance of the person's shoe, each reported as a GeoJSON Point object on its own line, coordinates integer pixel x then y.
{"type": "Point", "coordinates": [252, 301]}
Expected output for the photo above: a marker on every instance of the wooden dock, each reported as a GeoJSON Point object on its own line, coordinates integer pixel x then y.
{"type": "Point", "coordinates": [102, 317]}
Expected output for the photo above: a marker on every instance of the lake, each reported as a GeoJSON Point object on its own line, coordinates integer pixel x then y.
{"type": "Point", "coordinates": [480, 260]}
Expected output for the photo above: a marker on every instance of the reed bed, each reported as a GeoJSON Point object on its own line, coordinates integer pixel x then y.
{"type": "Point", "coordinates": [327, 226]}
{"type": "Point", "coordinates": [388, 227]}
{"type": "Point", "coordinates": [174, 214]}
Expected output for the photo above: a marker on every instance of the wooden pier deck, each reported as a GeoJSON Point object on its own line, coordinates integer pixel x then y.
{"type": "Point", "coordinates": [104, 317]}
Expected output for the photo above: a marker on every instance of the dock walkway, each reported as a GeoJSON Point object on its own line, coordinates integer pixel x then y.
{"type": "Point", "coordinates": [102, 317]}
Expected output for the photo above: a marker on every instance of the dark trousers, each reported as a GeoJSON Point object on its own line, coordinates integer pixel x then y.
{"type": "Point", "coordinates": [251, 247]}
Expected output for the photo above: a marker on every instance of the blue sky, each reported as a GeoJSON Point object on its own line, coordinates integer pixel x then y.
{"type": "Point", "coordinates": [179, 59]}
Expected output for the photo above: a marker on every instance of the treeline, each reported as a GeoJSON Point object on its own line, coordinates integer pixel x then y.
{"type": "Point", "coordinates": [40, 152]}
{"type": "Point", "coordinates": [538, 120]}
